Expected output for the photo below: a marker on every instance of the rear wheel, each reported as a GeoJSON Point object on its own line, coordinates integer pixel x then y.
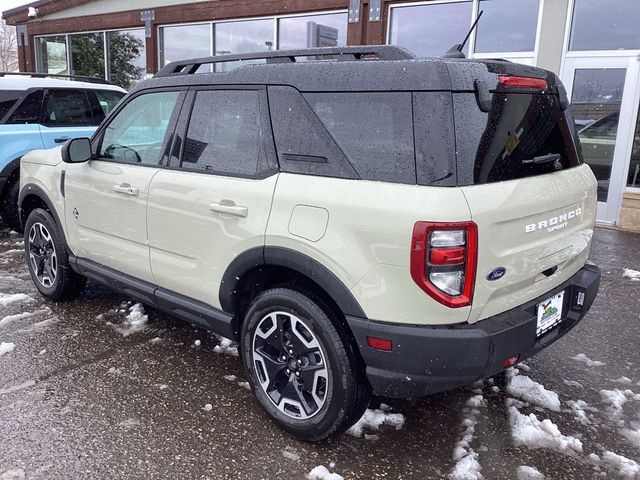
{"type": "Point", "coordinates": [9, 206]}
{"type": "Point", "coordinates": [301, 365]}
{"type": "Point", "coordinates": [47, 258]}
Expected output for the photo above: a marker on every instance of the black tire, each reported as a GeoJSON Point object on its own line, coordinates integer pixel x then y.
{"type": "Point", "coordinates": [65, 284]}
{"type": "Point", "coordinates": [346, 390]}
{"type": "Point", "coordinates": [9, 205]}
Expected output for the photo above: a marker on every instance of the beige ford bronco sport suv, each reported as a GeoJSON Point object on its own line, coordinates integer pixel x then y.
{"type": "Point", "coordinates": [361, 221]}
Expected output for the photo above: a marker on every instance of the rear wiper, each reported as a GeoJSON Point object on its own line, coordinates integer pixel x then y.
{"type": "Point", "coordinates": [550, 158]}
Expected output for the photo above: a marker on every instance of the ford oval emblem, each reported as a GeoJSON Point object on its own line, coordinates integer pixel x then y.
{"type": "Point", "coordinates": [496, 274]}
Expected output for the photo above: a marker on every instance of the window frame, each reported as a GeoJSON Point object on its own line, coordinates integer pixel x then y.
{"type": "Point", "coordinates": [266, 166]}
{"type": "Point", "coordinates": [98, 135]}
{"type": "Point", "coordinates": [19, 103]}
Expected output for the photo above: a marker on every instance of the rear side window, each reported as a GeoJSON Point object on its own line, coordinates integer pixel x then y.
{"type": "Point", "coordinates": [523, 135]}
{"type": "Point", "coordinates": [108, 100]}
{"type": "Point", "coordinates": [374, 130]}
{"type": "Point", "coordinates": [29, 109]}
{"type": "Point", "coordinates": [225, 133]}
{"type": "Point", "coordinates": [67, 108]}
{"type": "Point", "coordinates": [8, 99]}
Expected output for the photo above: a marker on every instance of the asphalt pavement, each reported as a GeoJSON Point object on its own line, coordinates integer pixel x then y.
{"type": "Point", "coordinates": [83, 397]}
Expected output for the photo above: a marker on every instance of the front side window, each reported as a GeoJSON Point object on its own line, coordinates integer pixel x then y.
{"type": "Point", "coordinates": [67, 108]}
{"type": "Point", "coordinates": [225, 133]}
{"type": "Point", "coordinates": [507, 26]}
{"type": "Point", "coordinates": [374, 130]}
{"type": "Point", "coordinates": [136, 134]}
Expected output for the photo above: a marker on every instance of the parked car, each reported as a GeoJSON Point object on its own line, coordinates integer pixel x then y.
{"type": "Point", "coordinates": [42, 111]}
{"type": "Point", "coordinates": [361, 221]}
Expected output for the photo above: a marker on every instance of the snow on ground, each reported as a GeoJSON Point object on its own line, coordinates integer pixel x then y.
{"type": "Point", "coordinates": [16, 388]}
{"type": "Point", "coordinates": [615, 399]}
{"type": "Point", "coordinates": [7, 299]}
{"type": "Point", "coordinates": [226, 346]}
{"type": "Point", "coordinates": [208, 407]}
{"type": "Point", "coordinates": [572, 383]}
{"type": "Point", "coordinates": [6, 347]}
{"type": "Point", "coordinates": [579, 409]}
{"type": "Point", "coordinates": [13, 318]}
{"type": "Point", "coordinates": [632, 435]}
{"type": "Point", "coordinates": [581, 357]}
{"type": "Point", "coordinates": [528, 473]}
{"type": "Point", "coordinates": [136, 321]}
{"type": "Point", "coordinates": [624, 380]}
{"type": "Point", "coordinates": [373, 419]}
{"type": "Point", "coordinates": [523, 387]}
{"type": "Point", "coordinates": [321, 473]}
{"type": "Point", "coordinates": [14, 474]}
{"type": "Point", "coordinates": [529, 431]}
{"type": "Point", "coordinates": [290, 455]}
{"type": "Point", "coordinates": [467, 466]}
{"type": "Point", "coordinates": [623, 466]}
{"type": "Point", "coordinates": [632, 274]}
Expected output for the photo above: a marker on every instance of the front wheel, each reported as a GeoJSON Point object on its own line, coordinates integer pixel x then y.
{"type": "Point", "coordinates": [47, 258]}
{"type": "Point", "coordinates": [301, 365]}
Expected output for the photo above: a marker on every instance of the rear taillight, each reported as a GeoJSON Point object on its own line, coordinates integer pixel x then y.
{"type": "Point", "coordinates": [523, 82]}
{"type": "Point", "coordinates": [443, 261]}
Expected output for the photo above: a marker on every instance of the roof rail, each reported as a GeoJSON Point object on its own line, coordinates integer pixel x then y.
{"type": "Point", "coordinates": [79, 78]}
{"type": "Point", "coordinates": [370, 52]}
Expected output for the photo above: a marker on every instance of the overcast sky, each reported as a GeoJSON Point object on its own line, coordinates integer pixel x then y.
{"type": "Point", "coordinates": [9, 4]}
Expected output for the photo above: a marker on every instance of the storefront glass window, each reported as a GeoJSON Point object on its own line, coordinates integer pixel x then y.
{"type": "Point", "coordinates": [605, 25]}
{"type": "Point", "coordinates": [52, 54]}
{"type": "Point", "coordinates": [185, 41]}
{"type": "Point", "coordinates": [87, 54]}
{"type": "Point", "coordinates": [507, 26]}
{"type": "Point", "coordinates": [127, 59]}
{"type": "Point", "coordinates": [430, 30]}
{"type": "Point", "coordinates": [634, 168]}
{"type": "Point", "coordinates": [312, 31]}
{"type": "Point", "coordinates": [242, 37]}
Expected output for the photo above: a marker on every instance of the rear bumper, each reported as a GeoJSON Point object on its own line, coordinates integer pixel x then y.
{"type": "Point", "coordinates": [430, 359]}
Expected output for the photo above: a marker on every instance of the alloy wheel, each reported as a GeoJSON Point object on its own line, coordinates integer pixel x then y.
{"type": "Point", "coordinates": [42, 255]}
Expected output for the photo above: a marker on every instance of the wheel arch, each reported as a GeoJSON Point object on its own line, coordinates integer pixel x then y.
{"type": "Point", "coordinates": [32, 196]}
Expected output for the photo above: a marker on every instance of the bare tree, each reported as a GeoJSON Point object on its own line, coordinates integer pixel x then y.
{"type": "Point", "coordinates": [8, 48]}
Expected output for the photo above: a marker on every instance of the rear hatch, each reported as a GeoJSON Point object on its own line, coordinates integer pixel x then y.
{"type": "Point", "coordinates": [519, 167]}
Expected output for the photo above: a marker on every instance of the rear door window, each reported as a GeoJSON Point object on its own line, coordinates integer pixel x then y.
{"type": "Point", "coordinates": [8, 99]}
{"type": "Point", "coordinates": [67, 108]}
{"type": "Point", "coordinates": [374, 130]}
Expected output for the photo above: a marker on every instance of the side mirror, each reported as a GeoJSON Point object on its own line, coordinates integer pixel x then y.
{"type": "Point", "coordinates": [76, 150]}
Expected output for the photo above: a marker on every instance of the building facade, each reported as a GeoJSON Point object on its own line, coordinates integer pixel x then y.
{"type": "Point", "coordinates": [593, 45]}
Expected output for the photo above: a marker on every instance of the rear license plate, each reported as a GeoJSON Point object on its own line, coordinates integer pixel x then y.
{"type": "Point", "coordinates": [549, 313]}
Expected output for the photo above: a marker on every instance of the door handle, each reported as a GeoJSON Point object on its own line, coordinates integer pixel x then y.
{"type": "Point", "coordinates": [126, 189]}
{"type": "Point", "coordinates": [230, 208]}
{"type": "Point", "coordinates": [60, 139]}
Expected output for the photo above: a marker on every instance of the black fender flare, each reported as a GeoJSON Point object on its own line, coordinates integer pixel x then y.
{"type": "Point", "coordinates": [36, 190]}
{"type": "Point", "coordinates": [296, 261]}
{"type": "Point", "coordinates": [11, 167]}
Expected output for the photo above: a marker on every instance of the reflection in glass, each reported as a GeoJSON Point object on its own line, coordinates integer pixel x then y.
{"type": "Point", "coordinates": [52, 54]}
{"type": "Point", "coordinates": [596, 100]}
{"type": "Point", "coordinates": [127, 59]}
{"type": "Point", "coordinates": [430, 30]}
{"type": "Point", "coordinates": [243, 37]}
{"type": "Point", "coordinates": [87, 54]}
{"type": "Point", "coordinates": [312, 31]}
{"type": "Point", "coordinates": [605, 25]}
{"type": "Point", "coordinates": [186, 41]}
{"type": "Point", "coordinates": [634, 167]}
{"type": "Point", "coordinates": [507, 26]}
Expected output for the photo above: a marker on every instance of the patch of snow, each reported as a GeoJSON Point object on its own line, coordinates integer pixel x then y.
{"type": "Point", "coordinates": [524, 367]}
{"type": "Point", "coordinates": [632, 274]}
{"type": "Point", "coordinates": [371, 437]}
{"type": "Point", "coordinates": [533, 392]}
{"type": "Point", "coordinates": [623, 466]}
{"type": "Point", "coordinates": [529, 431]}
{"type": "Point", "coordinates": [7, 299]}
{"type": "Point", "coordinates": [294, 457]}
{"type": "Point", "coordinates": [467, 466]}
{"type": "Point", "coordinates": [373, 419]}
{"type": "Point", "coordinates": [579, 409]}
{"type": "Point", "coordinates": [321, 473]}
{"type": "Point", "coordinates": [13, 474]}
{"type": "Point", "coordinates": [6, 347]}
{"type": "Point", "coordinates": [476, 401]}
{"type": "Point", "coordinates": [615, 399]}
{"type": "Point", "coordinates": [231, 378]}
{"type": "Point", "coordinates": [197, 343]}
{"type": "Point", "coordinates": [42, 352]}
{"type": "Point", "coordinates": [208, 407]}
{"type": "Point", "coordinates": [581, 357]}
{"type": "Point", "coordinates": [495, 389]}
{"type": "Point", "coordinates": [572, 383]}
{"type": "Point", "coordinates": [155, 341]}
{"type": "Point", "coordinates": [226, 346]}
{"type": "Point", "coordinates": [136, 321]}
{"type": "Point", "coordinates": [163, 387]}
{"type": "Point", "coordinates": [16, 388]}
{"type": "Point", "coordinates": [244, 385]}
{"type": "Point", "coordinates": [17, 316]}
{"type": "Point", "coordinates": [632, 435]}
{"type": "Point", "coordinates": [624, 380]}
{"type": "Point", "coordinates": [129, 423]}
{"type": "Point", "coordinates": [528, 473]}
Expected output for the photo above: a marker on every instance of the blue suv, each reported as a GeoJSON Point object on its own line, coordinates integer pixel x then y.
{"type": "Point", "coordinates": [44, 111]}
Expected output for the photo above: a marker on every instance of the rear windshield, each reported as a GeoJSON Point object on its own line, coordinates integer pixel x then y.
{"type": "Point", "coordinates": [8, 99]}
{"type": "Point", "coordinates": [523, 135]}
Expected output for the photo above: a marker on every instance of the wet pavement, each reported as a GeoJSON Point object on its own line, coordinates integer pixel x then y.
{"type": "Point", "coordinates": [78, 400]}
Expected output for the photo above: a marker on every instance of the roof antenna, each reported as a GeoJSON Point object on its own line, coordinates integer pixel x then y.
{"type": "Point", "coordinates": [456, 50]}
